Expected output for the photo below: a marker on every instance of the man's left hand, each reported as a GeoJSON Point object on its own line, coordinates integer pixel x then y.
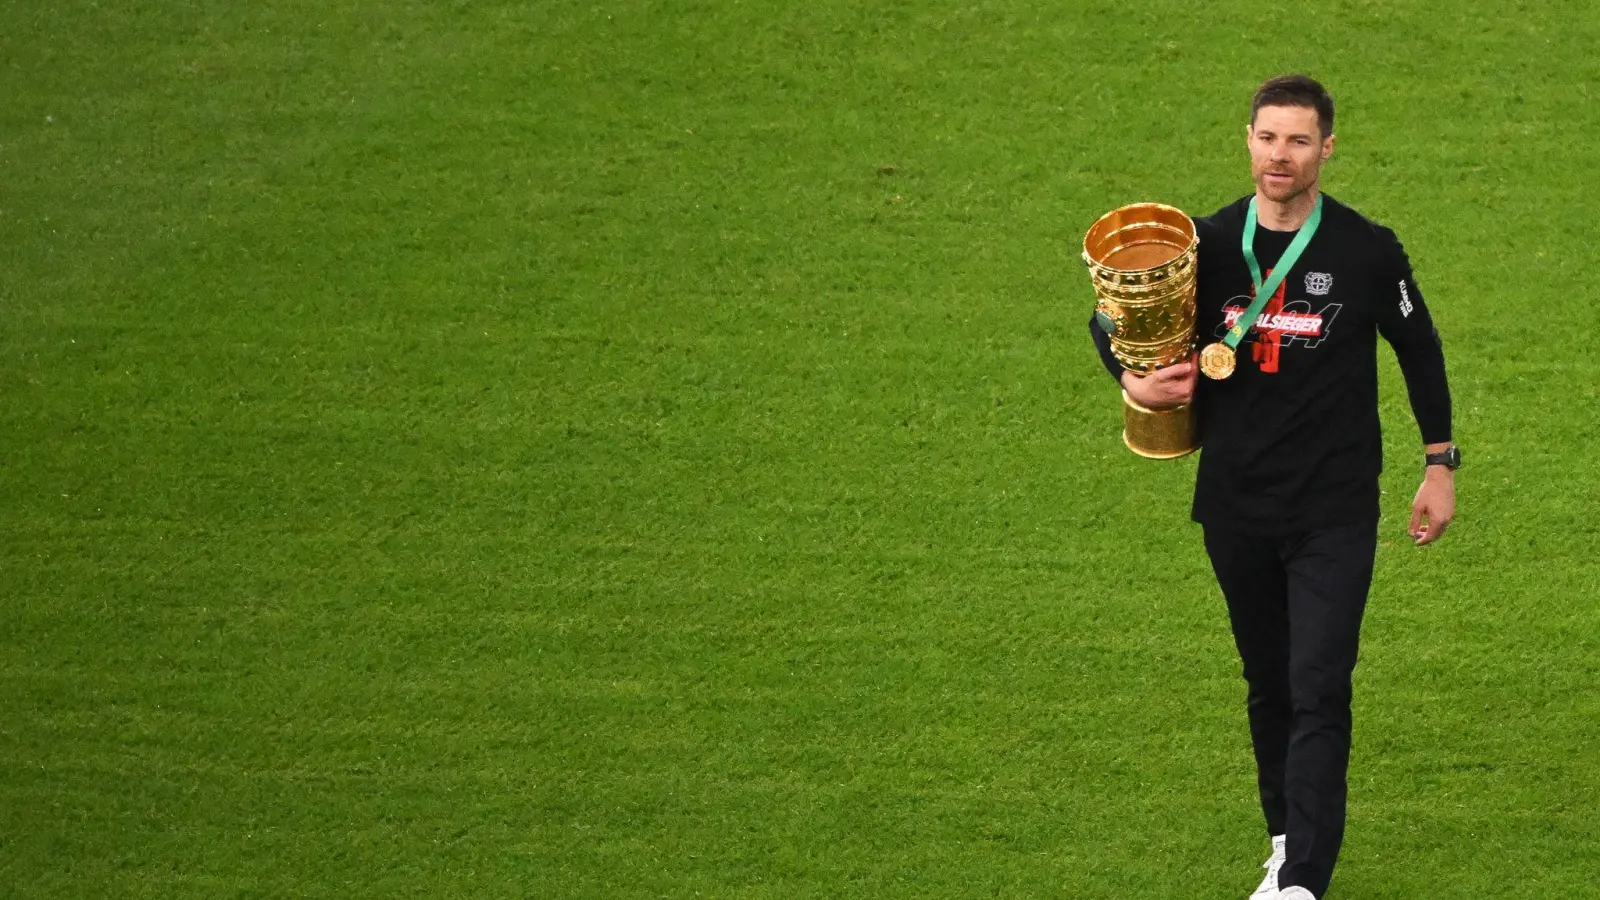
{"type": "Point", "coordinates": [1434, 506]}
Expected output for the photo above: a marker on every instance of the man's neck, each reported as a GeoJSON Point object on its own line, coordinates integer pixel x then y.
{"type": "Point", "coordinates": [1289, 215]}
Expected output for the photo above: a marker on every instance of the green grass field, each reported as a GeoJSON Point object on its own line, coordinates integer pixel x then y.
{"type": "Point", "coordinates": [652, 449]}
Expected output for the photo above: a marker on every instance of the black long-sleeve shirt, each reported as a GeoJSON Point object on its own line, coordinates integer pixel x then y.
{"type": "Point", "coordinates": [1292, 439]}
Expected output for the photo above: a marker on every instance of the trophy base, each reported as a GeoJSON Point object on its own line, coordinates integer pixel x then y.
{"type": "Point", "coordinates": [1158, 433]}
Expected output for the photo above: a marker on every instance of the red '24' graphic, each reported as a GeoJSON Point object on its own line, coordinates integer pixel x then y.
{"type": "Point", "coordinates": [1279, 324]}
{"type": "Point", "coordinates": [1269, 341]}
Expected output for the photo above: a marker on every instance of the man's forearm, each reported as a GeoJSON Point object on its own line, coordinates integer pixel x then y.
{"type": "Point", "coordinates": [1102, 345]}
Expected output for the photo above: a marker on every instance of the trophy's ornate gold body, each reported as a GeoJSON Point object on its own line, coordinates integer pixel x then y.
{"type": "Point", "coordinates": [1142, 260]}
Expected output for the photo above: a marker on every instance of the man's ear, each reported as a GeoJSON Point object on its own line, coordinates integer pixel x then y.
{"type": "Point", "coordinates": [1327, 147]}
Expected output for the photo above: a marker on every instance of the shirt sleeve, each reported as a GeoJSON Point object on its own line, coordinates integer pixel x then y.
{"type": "Point", "coordinates": [1404, 321]}
{"type": "Point", "coordinates": [1102, 343]}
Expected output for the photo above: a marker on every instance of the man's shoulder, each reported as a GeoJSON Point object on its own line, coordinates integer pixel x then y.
{"type": "Point", "coordinates": [1228, 218]}
{"type": "Point", "coordinates": [1348, 221]}
{"type": "Point", "coordinates": [1337, 216]}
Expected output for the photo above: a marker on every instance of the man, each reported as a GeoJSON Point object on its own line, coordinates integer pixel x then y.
{"type": "Point", "coordinates": [1287, 485]}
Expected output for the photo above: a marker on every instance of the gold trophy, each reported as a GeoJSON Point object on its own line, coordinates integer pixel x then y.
{"type": "Point", "coordinates": [1142, 260]}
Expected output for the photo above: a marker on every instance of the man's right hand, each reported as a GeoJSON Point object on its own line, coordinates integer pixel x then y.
{"type": "Point", "coordinates": [1163, 388]}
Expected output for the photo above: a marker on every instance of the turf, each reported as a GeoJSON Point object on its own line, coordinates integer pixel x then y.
{"type": "Point", "coordinates": [481, 449]}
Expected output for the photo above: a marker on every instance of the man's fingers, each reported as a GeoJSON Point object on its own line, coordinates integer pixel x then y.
{"type": "Point", "coordinates": [1175, 372]}
{"type": "Point", "coordinates": [1415, 528]}
{"type": "Point", "coordinates": [1426, 532]}
{"type": "Point", "coordinates": [1432, 531]}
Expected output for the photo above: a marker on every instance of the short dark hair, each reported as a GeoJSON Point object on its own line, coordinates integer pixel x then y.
{"type": "Point", "coordinates": [1295, 90]}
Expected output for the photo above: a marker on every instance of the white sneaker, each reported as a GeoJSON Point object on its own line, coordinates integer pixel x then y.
{"type": "Point", "coordinates": [1296, 893]}
{"type": "Point", "coordinates": [1269, 885]}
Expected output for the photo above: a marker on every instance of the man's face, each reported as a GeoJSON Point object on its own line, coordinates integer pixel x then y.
{"type": "Point", "coordinates": [1286, 151]}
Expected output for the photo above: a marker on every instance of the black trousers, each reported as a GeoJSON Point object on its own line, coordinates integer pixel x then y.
{"type": "Point", "coordinates": [1295, 601]}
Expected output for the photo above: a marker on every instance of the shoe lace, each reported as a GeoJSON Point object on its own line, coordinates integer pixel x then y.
{"type": "Point", "coordinates": [1272, 865]}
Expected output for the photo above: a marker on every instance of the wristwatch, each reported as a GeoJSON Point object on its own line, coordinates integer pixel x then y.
{"type": "Point", "coordinates": [1450, 459]}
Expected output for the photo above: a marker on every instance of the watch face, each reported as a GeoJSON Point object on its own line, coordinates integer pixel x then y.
{"type": "Point", "coordinates": [1450, 459]}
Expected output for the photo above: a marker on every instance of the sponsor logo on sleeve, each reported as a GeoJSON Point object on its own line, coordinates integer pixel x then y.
{"type": "Point", "coordinates": [1405, 300]}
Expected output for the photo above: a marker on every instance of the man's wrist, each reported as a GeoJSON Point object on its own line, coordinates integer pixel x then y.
{"type": "Point", "coordinates": [1441, 456]}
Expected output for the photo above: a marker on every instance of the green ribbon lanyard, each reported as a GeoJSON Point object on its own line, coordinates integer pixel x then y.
{"type": "Point", "coordinates": [1265, 289]}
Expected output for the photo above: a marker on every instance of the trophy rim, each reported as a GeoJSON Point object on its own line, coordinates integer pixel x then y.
{"type": "Point", "coordinates": [1166, 218]}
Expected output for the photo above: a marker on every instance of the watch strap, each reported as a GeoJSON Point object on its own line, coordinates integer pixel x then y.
{"type": "Point", "coordinates": [1450, 459]}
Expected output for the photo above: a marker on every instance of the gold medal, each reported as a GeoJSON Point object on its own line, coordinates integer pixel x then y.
{"type": "Point", "coordinates": [1216, 361]}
